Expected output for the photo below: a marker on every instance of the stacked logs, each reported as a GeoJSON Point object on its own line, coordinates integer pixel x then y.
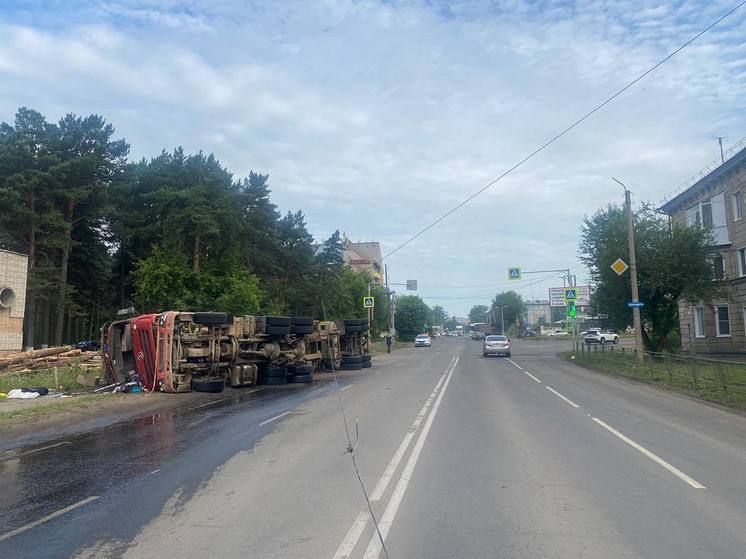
{"type": "Point", "coordinates": [27, 361]}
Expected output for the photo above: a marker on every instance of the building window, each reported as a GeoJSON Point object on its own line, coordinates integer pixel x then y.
{"type": "Point", "coordinates": [718, 267]}
{"type": "Point", "coordinates": [710, 214]}
{"type": "Point", "coordinates": [737, 207]}
{"type": "Point", "coordinates": [741, 253]}
{"type": "Point", "coordinates": [699, 322]}
{"type": "Point", "coordinates": [722, 321]}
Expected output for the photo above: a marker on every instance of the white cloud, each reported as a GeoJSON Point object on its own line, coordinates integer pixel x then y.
{"type": "Point", "coordinates": [376, 118]}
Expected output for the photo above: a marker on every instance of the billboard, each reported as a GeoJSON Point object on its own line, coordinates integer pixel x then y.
{"type": "Point", "coordinates": [557, 296]}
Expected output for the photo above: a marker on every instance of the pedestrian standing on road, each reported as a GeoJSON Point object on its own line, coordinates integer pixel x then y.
{"type": "Point", "coordinates": [389, 341]}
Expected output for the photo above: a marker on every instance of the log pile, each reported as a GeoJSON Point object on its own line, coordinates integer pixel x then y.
{"type": "Point", "coordinates": [27, 361]}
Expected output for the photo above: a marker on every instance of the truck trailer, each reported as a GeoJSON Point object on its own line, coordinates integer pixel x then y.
{"type": "Point", "coordinates": [178, 351]}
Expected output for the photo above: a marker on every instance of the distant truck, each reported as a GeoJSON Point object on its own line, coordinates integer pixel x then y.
{"type": "Point", "coordinates": [459, 330]}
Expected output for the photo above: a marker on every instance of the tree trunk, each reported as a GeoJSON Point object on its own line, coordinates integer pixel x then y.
{"type": "Point", "coordinates": [121, 277]}
{"type": "Point", "coordinates": [62, 280]}
{"type": "Point", "coordinates": [68, 331]}
{"type": "Point", "coordinates": [46, 322]}
{"type": "Point", "coordinates": [30, 312]}
{"type": "Point", "coordinates": [195, 256]}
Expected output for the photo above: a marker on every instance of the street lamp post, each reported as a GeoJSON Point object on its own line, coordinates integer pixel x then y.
{"type": "Point", "coordinates": [633, 272]}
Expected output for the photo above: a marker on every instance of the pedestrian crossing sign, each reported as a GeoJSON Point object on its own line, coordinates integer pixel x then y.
{"type": "Point", "coordinates": [514, 273]}
{"type": "Point", "coordinates": [368, 302]}
{"type": "Point", "coordinates": [570, 294]}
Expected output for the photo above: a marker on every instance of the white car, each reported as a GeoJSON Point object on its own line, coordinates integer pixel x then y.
{"type": "Point", "coordinates": [423, 340]}
{"type": "Point", "coordinates": [557, 333]}
{"type": "Point", "coordinates": [595, 336]}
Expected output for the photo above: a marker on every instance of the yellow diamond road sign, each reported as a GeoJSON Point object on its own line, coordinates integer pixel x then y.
{"type": "Point", "coordinates": [619, 266]}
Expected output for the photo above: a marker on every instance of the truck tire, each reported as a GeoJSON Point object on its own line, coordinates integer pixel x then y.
{"type": "Point", "coordinates": [212, 318]}
{"type": "Point", "coordinates": [367, 364]}
{"type": "Point", "coordinates": [278, 320]}
{"type": "Point", "coordinates": [353, 325]}
{"type": "Point", "coordinates": [351, 366]}
{"type": "Point", "coordinates": [301, 370]}
{"type": "Point", "coordinates": [302, 379]}
{"type": "Point", "coordinates": [365, 357]}
{"type": "Point", "coordinates": [301, 329]}
{"type": "Point", "coordinates": [273, 330]}
{"type": "Point", "coordinates": [274, 381]}
{"type": "Point", "coordinates": [302, 321]}
{"type": "Point", "coordinates": [352, 359]}
{"type": "Point", "coordinates": [211, 385]}
{"type": "Point", "coordinates": [616, 340]}
{"type": "Point", "coordinates": [275, 372]}
{"type": "Point", "coordinates": [261, 324]}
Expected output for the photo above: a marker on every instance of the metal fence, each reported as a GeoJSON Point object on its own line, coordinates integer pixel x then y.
{"type": "Point", "coordinates": [711, 379]}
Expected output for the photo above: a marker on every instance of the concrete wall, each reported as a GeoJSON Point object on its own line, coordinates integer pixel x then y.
{"type": "Point", "coordinates": [13, 273]}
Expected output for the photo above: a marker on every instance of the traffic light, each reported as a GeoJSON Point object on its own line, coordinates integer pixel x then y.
{"type": "Point", "coordinates": [571, 311]}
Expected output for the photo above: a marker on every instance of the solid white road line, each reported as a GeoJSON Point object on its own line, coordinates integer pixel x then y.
{"type": "Point", "coordinates": [566, 399]}
{"type": "Point", "coordinates": [532, 376]}
{"type": "Point", "coordinates": [209, 403]}
{"type": "Point", "coordinates": [275, 418]}
{"type": "Point", "coordinates": [657, 459]}
{"type": "Point", "coordinates": [387, 520]}
{"type": "Point", "coordinates": [344, 551]}
{"type": "Point", "coordinates": [345, 387]}
{"type": "Point", "coordinates": [47, 518]}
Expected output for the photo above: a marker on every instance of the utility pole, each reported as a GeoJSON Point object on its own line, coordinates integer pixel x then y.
{"type": "Point", "coordinates": [502, 321]}
{"type": "Point", "coordinates": [633, 273]}
{"type": "Point", "coordinates": [722, 155]}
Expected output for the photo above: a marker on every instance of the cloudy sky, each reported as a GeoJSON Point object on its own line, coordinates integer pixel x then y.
{"type": "Point", "coordinates": [376, 117]}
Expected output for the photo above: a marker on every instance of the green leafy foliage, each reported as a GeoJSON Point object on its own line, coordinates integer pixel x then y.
{"type": "Point", "coordinates": [478, 313]}
{"type": "Point", "coordinates": [512, 309]}
{"type": "Point", "coordinates": [412, 315]}
{"type": "Point", "coordinates": [672, 263]}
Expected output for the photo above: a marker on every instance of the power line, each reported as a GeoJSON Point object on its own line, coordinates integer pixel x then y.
{"type": "Point", "coordinates": [562, 133]}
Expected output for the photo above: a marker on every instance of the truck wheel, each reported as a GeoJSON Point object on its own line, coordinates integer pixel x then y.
{"type": "Point", "coordinates": [277, 320]}
{"type": "Point", "coordinates": [301, 329]}
{"type": "Point", "coordinates": [212, 318]}
{"type": "Point", "coordinates": [302, 378]}
{"type": "Point", "coordinates": [351, 366]}
{"type": "Point", "coordinates": [365, 357]}
{"type": "Point", "coordinates": [273, 330]}
{"type": "Point", "coordinates": [367, 364]}
{"type": "Point", "coordinates": [271, 381]}
{"type": "Point", "coordinates": [352, 359]}
{"type": "Point", "coordinates": [301, 321]}
{"type": "Point", "coordinates": [211, 385]}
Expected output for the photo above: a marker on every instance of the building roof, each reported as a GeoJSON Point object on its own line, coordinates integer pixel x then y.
{"type": "Point", "coordinates": [735, 162]}
{"type": "Point", "coordinates": [13, 252]}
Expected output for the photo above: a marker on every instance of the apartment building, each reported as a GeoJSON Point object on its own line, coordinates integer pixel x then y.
{"type": "Point", "coordinates": [716, 202]}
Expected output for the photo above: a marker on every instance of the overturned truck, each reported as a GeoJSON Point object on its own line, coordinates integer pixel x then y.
{"type": "Point", "coordinates": [182, 351]}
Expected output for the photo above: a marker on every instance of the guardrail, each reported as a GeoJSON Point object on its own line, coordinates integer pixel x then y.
{"type": "Point", "coordinates": [710, 379]}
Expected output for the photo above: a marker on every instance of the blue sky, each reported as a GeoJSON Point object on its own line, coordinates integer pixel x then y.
{"type": "Point", "coordinates": [376, 117]}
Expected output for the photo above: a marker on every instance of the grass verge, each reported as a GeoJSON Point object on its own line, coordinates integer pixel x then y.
{"type": "Point", "coordinates": [722, 382]}
{"type": "Point", "coordinates": [66, 379]}
{"type": "Point", "coordinates": [33, 411]}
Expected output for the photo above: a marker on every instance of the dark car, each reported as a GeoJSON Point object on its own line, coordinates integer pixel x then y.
{"type": "Point", "coordinates": [89, 345]}
{"type": "Point", "coordinates": [527, 334]}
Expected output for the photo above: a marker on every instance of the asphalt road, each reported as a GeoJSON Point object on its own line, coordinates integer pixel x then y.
{"type": "Point", "coordinates": [460, 456]}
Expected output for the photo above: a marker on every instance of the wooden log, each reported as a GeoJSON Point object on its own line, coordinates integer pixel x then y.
{"type": "Point", "coordinates": [34, 354]}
